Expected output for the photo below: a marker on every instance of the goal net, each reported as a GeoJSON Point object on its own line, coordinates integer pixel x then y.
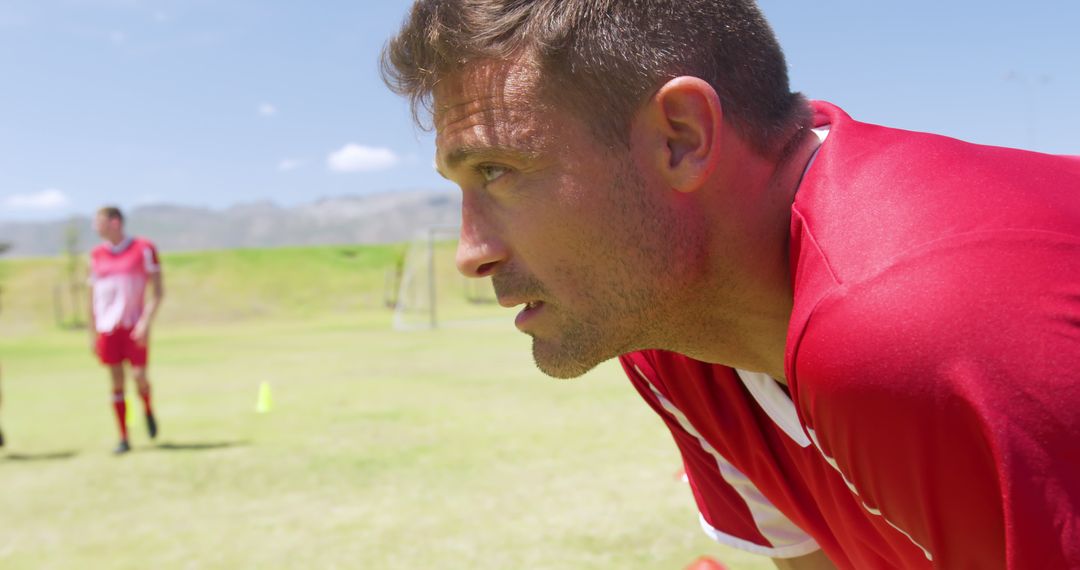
{"type": "Point", "coordinates": [430, 293]}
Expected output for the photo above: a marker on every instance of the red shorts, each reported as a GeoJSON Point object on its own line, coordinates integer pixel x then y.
{"type": "Point", "coordinates": [117, 346]}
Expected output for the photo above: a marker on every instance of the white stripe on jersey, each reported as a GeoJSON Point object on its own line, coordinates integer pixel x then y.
{"type": "Point", "coordinates": [775, 403]}
{"type": "Point", "coordinates": [788, 540]}
{"type": "Point", "coordinates": [851, 486]}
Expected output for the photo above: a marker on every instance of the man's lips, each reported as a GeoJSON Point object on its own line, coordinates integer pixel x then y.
{"type": "Point", "coordinates": [530, 309]}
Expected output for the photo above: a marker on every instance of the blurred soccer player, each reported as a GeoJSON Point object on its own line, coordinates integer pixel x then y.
{"type": "Point", "coordinates": [120, 269]}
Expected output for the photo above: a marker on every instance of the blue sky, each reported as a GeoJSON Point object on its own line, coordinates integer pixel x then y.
{"type": "Point", "coordinates": [210, 103]}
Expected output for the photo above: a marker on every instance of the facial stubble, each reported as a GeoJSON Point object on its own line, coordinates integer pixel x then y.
{"type": "Point", "coordinates": [624, 303]}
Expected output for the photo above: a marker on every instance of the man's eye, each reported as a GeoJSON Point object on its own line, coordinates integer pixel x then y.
{"type": "Point", "coordinates": [491, 172]}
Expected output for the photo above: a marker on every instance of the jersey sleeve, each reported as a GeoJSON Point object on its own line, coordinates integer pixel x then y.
{"type": "Point", "coordinates": [944, 390]}
{"type": "Point", "coordinates": [150, 259]}
{"type": "Point", "coordinates": [731, 509]}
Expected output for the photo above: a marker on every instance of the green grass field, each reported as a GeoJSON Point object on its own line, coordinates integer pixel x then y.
{"type": "Point", "coordinates": [434, 449]}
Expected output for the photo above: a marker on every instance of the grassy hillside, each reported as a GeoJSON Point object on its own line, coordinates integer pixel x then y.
{"type": "Point", "coordinates": [217, 286]}
{"type": "Point", "coordinates": [276, 283]}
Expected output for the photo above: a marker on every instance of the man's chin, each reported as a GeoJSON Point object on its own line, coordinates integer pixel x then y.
{"type": "Point", "coordinates": [559, 364]}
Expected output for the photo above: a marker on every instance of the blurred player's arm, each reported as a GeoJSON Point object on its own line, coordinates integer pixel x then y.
{"type": "Point", "coordinates": [157, 293]}
{"type": "Point", "coordinates": [813, 561]}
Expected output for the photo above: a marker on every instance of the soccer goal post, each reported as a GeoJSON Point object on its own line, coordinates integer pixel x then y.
{"type": "Point", "coordinates": [432, 294]}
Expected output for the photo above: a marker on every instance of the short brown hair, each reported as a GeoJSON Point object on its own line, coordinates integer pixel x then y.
{"type": "Point", "coordinates": [111, 212]}
{"type": "Point", "coordinates": [607, 54]}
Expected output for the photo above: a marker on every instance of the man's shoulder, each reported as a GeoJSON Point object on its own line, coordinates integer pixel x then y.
{"type": "Point", "coordinates": [100, 253]}
{"type": "Point", "coordinates": [997, 298]}
{"type": "Point", "coordinates": [875, 194]}
{"type": "Point", "coordinates": [143, 243]}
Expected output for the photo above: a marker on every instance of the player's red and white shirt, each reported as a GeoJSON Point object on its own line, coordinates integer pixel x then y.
{"type": "Point", "coordinates": [118, 274]}
{"type": "Point", "coordinates": [933, 366]}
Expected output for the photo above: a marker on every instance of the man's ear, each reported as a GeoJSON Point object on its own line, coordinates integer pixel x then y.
{"type": "Point", "coordinates": [678, 130]}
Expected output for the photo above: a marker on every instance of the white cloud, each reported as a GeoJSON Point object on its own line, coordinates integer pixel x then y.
{"type": "Point", "coordinates": [288, 164]}
{"type": "Point", "coordinates": [48, 199]}
{"type": "Point", "coordinates": [356, 158]}
{"type": "Point", "coordinates": [267, 110]}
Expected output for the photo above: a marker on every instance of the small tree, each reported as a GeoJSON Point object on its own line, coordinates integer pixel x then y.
{"type": "Point", "coordinates": [74, 277]}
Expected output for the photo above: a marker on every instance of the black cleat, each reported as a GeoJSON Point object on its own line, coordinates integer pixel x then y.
{"type": "Point", "coordinates": [1, 439]}
{"type": "Point", "coordinates": [122, 447]}
{"type": "Point", "coordinates": [151, 425]}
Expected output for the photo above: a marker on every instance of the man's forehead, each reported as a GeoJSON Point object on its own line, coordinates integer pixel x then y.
{"type": "Point", "coordinates": [487, 86]}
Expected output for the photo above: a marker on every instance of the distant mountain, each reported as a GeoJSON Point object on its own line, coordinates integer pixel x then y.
{"type": "Point", "coordinates": [377, 218]}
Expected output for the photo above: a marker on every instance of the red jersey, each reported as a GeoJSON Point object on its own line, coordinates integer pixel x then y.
{"type": "Point", "coordinates": [933, 366]}
{"type": "Point", "coordinates": [118, 275]}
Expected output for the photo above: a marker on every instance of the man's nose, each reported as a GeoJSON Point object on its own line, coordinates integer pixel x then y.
{"type": "Point", "coordinates": [480, 250]}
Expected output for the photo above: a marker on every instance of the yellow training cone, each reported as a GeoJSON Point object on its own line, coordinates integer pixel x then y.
{"type": "Point", "coordinates": [265, 403]}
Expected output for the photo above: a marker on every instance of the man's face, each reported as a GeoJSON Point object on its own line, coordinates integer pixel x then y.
{"type": "Point", "coordinates": [106, 227]}
{"type": "Point", "coordinates": [563, 225]}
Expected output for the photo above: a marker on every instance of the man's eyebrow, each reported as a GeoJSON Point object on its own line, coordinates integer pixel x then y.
{"type": "Point", "coordinates": [469, 153]}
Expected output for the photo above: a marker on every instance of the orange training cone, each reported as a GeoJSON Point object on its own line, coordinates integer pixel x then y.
{"type": "Point", "coordinates": [706, 563]}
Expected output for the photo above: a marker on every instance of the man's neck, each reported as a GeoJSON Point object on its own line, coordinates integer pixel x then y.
{"type": "Point", "coordinates": [786, 182]}
{"type": "Point", "coordinates": [753, 310]}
